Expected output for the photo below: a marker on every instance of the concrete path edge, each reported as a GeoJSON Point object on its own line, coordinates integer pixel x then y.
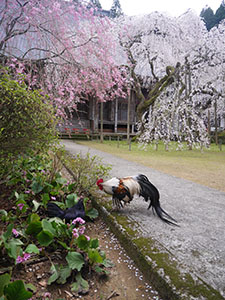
{"type": "Point", "coordinates": [158, 267]}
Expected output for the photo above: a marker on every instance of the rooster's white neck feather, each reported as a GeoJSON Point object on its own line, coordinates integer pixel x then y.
{"type": "Point", "coordinates": [129, 182]}
{"type": "Point", "coordinates": [107, 185]}
{"type": "Point", "coordinates": [132, 185]}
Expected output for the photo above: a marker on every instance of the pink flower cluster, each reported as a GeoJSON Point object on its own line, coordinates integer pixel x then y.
{"type": "Point", "coordinates": [23, 258]}
{"type": "Point", "coordinates": [20, 206]}
{"type": "Point", "coordinates": [79, 221]}
{"type": "Point", "coordinates": [79, 231]}
{"type": "Point", "coordinates": [15, 232]}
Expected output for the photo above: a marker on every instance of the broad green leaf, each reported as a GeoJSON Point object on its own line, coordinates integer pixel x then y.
{"type": "Point", "coordinates": [55, 274]}
{"type": "Point", "coordinates": [36, 205]}
{"type": "Point", "coordinates": [16, 195]}
{"type": "Point", "coordinates": [34, 228]}
{"type": "Point", "coordinates": [31, 248]}
{"type": "Point", "coordinates": [16, 290]}
{"type": "Point", "coordinates": [14, 248]}
{"type": "Point", "coordinates": [47, 226]}
{"type": "Point", "coordinates": [4, 280]}
{"type": "Point", "coordinates": [31, 287]}
{"type": "Point", "coordinates": [94, 256]}
{"type": "Point", "coordinates": [64, 273]}
{"type": "Point", "coordinates": [36, 187]}
{"type": "Point", "coordinates": [71, 187]}
{"type": "Point", "coordinates": [33, 218]}
{"type": "Point", "coordinates": [92, 213]}
{"type": "Point", "coordinates": [82, 242]}
{"type": "Point", "coordinates": [71, 200]}
{"type": "Point", "coordinates": [101, 270]}
{"type": "Point", "coordinates": [102, 253]}
{"type": "Point", "coordinates": [81, 285]}
{"type": "Point", "coordinates": [3, 212]}
{"type": "Point", "coordinates": [107, 263]}
{"type": "Point", "coordinates": [45, 198]}
{"type": "Point", "coordinates": [94, 243]}
{"type": "Point", "coordinates": [8, 232]}
{"type": "Point", "coordinates": [75, 260]}
{"type": "Point", "coordinates": [45, 238]}
{"type": "Point", "coordinates": [61, 180]}
{"type": "Point", "coordinates": [47, 189]}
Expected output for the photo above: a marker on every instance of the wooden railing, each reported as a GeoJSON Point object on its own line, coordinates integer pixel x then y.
{"type": "Point", "coordinates": [86, 133]}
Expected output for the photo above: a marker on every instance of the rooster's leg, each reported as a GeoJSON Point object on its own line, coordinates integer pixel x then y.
{"type": "Point", "coordinates": [117, 203]}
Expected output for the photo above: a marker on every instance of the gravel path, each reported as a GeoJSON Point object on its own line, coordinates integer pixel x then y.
{"type": "Point", "coordinates": [199, 244]}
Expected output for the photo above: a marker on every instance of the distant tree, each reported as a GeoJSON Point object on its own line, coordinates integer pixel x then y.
{"type": "Point", "coordinates": [116, 9]}
{"type": "Point", "coordinates": [220, 13]}
{"type": "Point", "coordinates": [208, 17]}
{"type": "Point", "coordinates": [95, 4]}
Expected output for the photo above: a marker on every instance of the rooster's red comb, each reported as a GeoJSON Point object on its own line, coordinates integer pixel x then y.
{"type": "Point", "coordinates": [99, 181]}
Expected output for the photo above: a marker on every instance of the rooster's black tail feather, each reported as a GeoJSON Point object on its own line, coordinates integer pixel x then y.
{"type": "Point", "coordinates": [160, 212]}
{"type": "Point", "coordinates": [150, 192]}
{"type": "Point", "coordinates": [54, 210]}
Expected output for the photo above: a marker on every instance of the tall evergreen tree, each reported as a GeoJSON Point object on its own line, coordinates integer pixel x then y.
{"type": "Point", "coordinates": [116, 9]}
{"type": "Point", "coordinates": [208, 17]}
{"type": "Point", "coordinates": [220, 13]}
{"type": "Point", "coordinates": [95, 4]}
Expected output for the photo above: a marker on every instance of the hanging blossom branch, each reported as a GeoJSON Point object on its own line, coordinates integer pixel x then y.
{"type": "Point", "coordinates": [68, 49]}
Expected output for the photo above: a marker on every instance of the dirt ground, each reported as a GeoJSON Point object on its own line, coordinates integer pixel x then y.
{"type": "Point", "coordinates": [125, 281]}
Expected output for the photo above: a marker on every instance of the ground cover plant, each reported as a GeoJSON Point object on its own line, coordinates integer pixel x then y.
{"type": "Point", "coordinates": [206, 168]}
{"type": "Point", "coordinates": [28, 234]}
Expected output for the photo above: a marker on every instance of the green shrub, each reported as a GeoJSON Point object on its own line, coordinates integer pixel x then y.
{"type": "Point", "coordinates": [27, 120]}
{"type": "Point", "coordinates": [86, 171]}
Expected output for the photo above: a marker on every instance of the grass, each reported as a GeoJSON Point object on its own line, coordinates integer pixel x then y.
{"type": "Point", "coordinates": [206, 168]}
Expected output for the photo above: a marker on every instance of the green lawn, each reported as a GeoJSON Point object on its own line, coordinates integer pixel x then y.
{"type": "Point", "coordinates": [207, 167]}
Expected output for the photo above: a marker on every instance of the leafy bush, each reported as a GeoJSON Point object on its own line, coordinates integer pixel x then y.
{"type": "Point", "coordinates": [26, 121]}
{"type": "Point", "coordinates": [28, 233]}
{"type": "Point", "coordinates": [86, 171]}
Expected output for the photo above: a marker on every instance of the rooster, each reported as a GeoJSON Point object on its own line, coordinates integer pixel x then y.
{"type": "Point", "coordinates": [68, 214]}
{"type": "Point", "coordinates": [124, 189]}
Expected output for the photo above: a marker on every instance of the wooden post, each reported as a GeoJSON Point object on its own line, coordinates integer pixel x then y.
{"type": "Point", "coordinates": [216, 128]}
{"type": "Point", "coordinates": [128, 116]}
{"type": "Point", "coordinates": [116, 115]}
{"type": "Point", "coordinates": [209, 127]}
{"type": "Point", "coordinates": [101, 130]}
